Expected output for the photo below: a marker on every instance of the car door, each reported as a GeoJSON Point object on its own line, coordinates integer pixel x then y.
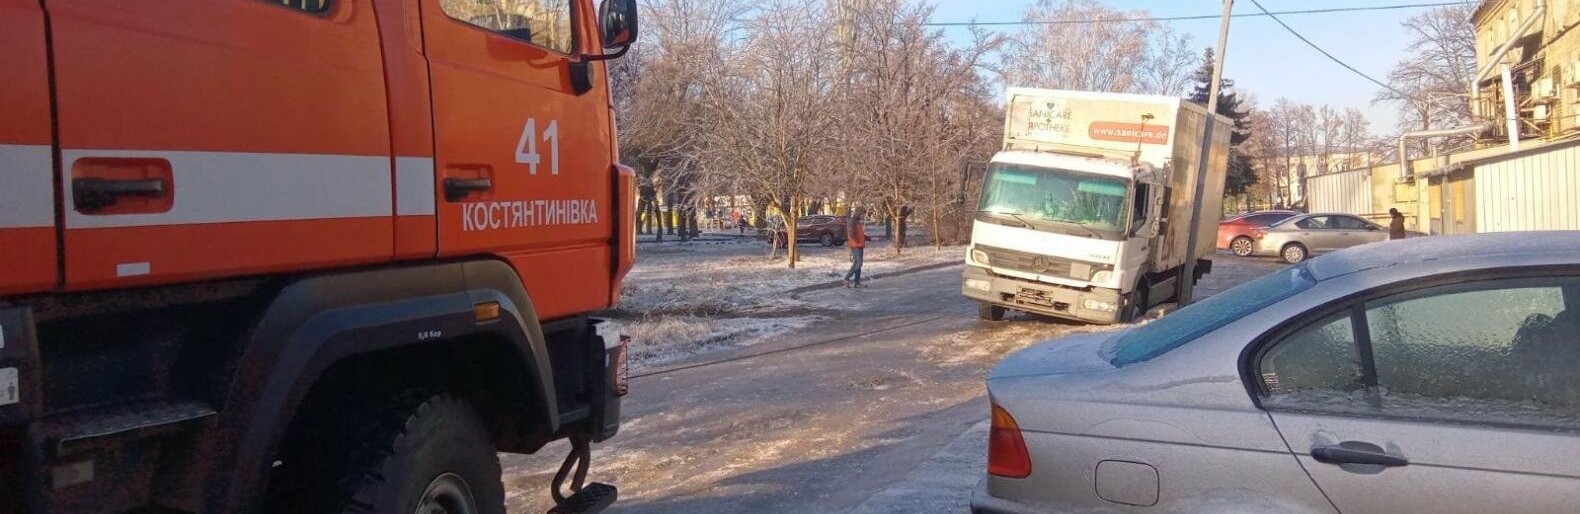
{"type": "Point", "coordinates": [204, 138]}
{"type": "Point", "coordinates": [27, 187]}
{"type": "Point", "coordinates": [1353, 231]}
{"type": "Point", "coordinates": [1403, 402]}
{"type": "Point", "coordinates": [523, 144]}
{"type": "Point", "coordinates": [1314, 232]}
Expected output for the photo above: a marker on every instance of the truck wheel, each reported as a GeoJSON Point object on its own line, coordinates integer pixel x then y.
{"type": "Point", "coordinates": [1293, 253]}
{"type": "Point", "coordinates": [827, 239]}
{"type": "Point", "coordinates": [990, 312]}
{"type": "Point", "coordinates": [1242, 246]}
{"type": "Point", "coordinates": [420, 453]}
{"type": "Point", "coordinates": [1139, 298]}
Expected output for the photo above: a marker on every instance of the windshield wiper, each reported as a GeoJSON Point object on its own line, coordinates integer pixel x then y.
{"type": "Point", "coordinates": [1089, 232]}
{"type": "Point", "coordinates": [1016, 217]}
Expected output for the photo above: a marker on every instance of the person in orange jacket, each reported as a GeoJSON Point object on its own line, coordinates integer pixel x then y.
{"type": "Point", "coordinates": [856, 239]}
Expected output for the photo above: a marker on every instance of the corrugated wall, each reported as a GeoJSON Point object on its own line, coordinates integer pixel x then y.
{"type": "Point", "coordinates": [1345, 191]}
{"type": "Point", "coordinates": [1534, 192]}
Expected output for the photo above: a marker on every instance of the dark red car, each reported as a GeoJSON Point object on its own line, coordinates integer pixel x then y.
{"type": "Point", "coordinates": [826, 230]}
{"type": "Point", "coordinates": [1235, 234]}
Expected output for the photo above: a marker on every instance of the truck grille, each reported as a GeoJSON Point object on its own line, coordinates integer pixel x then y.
{"type": "Point", "coordinates": [1027, 262]}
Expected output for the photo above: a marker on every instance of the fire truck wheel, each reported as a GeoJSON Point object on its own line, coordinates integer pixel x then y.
{"type": "Point", "coordinates": [423, 453]}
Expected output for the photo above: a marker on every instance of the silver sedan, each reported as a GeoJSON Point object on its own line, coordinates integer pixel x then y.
{"type": "Point", "coordinates": [1433, 375]}
{"type": "Point", "coordinates": [1299, 237]}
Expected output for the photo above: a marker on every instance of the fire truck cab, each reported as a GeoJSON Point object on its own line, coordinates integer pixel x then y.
{"type": "Point", "coordinates": [306, 255]}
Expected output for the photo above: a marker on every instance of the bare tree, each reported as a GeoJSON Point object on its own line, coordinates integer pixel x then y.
{"type": "Point", "coordinates": [1167, 69]}
{"type": "Point", "coordinates": [1430, 82]}
{"type": "Point", "coordinates": [769, 116]}
{"type": "Point", "coordinates": [1056, 51]}
{"type": "Point", "coordinates": [909, 101]}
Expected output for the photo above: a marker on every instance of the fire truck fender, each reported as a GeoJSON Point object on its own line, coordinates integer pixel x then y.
{"type": "Point", "coordinates": [319, 320]}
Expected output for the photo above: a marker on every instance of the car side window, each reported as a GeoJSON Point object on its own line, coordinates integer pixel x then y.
{"type": "Point", "coordinates": [1313, 223]}
{"type": "Point", "coordinates": [1497, 352]}
{"type": "Point", "coordinates": [309, 6]}
{"type": "Point", "coordinates": [1313, 364]}
{"type": "Point", "coordinates": [1350, 223]}
{"type": "Point", "coordinates": [545, 23]}
{"type": "Point", "coordinates": [1266, 219]}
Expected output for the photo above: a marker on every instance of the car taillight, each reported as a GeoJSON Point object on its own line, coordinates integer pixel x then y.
{"type": "Point", "coordinates": [1007, 455]}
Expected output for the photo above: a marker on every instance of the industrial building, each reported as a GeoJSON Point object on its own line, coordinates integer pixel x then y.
{"type": "Point", "coordinates": [1524, 172]}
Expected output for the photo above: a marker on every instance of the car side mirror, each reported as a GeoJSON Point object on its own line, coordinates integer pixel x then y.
{"type": "Point", "coordinates": [617, 25]}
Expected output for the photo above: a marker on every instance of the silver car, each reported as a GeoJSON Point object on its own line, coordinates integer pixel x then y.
{"type": "Point", "coordinates": [1299, 237]}
{"type": "Point", "coordinates": [1433, 375]}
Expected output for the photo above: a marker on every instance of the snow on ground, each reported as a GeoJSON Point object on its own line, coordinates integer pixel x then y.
{"type": "Point", "coordinates": [724, 291]}
{"type": "Point", "coordinates": [668, 339]}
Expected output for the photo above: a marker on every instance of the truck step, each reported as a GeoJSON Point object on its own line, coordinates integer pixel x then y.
{"type": "Point", "coordinates": [592, 499]}
{"type": "Point", "coordinates": [73, 431]}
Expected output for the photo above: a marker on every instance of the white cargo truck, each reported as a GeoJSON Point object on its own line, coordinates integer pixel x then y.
{"type": "Point", "coordinates": [1085, 212]}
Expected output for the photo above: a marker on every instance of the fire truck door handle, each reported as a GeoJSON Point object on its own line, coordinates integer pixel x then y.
{"type": "Point", "coordinates": [91, 194]}
{"type": "Point", "coordinates": [457, 188]}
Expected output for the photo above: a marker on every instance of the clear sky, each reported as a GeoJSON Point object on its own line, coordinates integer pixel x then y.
{"type": "Point", "coordinates": [1263, 58]}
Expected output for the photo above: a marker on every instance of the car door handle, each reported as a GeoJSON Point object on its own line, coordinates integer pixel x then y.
{"type": "Point", "coordinates": [93, 194]}
{"type": "Point", "coordinates": [1355, 452]}
{"type": "Point", "coordinates": [457, 188]}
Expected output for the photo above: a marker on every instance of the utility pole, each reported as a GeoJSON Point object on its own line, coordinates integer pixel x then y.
{"type": "Point", "coordinates": [1186, 282]}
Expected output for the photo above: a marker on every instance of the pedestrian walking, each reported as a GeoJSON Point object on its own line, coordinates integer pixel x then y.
{"type": "Point", "coordinates": [856, 239]}
{"type": "Point", "coordinates": [1395, 224]}
{"type": "Point", "coordinates": [735, 219]}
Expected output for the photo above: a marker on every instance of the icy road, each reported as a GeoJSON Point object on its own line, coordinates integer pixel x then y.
{"type": "Point", "coordinates": [878, 408]}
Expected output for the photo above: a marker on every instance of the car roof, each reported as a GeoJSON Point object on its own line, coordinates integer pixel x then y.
{"type": "Point", "coordinates": [1489, 247]}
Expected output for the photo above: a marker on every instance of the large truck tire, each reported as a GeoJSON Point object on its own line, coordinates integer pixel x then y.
{"type": "Point", "coordinates": [418, 452]}
{"type": "Point", "coordinates": [989, 312]}
{"type": "Point", "coordinates": [1140, 298]}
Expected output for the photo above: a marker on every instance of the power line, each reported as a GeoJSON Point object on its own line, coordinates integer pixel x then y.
{"type": "Point", "coordinates": [1319, 49]}
{"type": "Point", "coordinates": [1193, 17]}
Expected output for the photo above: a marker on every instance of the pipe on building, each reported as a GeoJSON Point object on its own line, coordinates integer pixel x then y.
{"type": "Point", "coordinates": [1404, 158]}
{"type": "Point", "coordinates": [1497, 57]}
{"type": "Point", "coordinates": [1510, 116]}
{"type": "Point", "coordinates": [1493, 63]}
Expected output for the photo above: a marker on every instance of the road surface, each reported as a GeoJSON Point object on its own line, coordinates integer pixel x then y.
{"type": "Point", "coordinates": [879, 409]}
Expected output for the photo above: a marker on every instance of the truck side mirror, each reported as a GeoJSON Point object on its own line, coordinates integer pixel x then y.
{"type": "Point", "coordinates": [617, 24]}
{"type": "Point", "coordinates": [1156, 228]}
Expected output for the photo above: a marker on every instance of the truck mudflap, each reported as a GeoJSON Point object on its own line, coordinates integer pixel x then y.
{"type": "Point", "coordinates": [1095, 305]}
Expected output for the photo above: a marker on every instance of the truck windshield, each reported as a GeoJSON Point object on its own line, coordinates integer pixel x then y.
{"type": "Point", "coordinates": [1032, 194]}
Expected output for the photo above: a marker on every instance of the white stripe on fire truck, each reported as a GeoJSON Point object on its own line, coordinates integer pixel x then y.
{"type": "Point", "coordinates": [223, 187]}
{"type": "Point", "coordinates": [414, 186]}
{"type": "Point", "coordinates": [27, 189]}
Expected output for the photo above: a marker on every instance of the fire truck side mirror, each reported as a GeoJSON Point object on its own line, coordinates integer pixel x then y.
{"type": "Point", "coordinates": [617, 20]}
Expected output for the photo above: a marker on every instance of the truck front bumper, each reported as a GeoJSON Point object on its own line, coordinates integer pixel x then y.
{"type": "Point", "coordinates": [1092, 305]}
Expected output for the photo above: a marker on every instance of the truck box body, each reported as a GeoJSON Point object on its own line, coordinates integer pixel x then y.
{"type": "Point", "coordinates": [1116, 174]}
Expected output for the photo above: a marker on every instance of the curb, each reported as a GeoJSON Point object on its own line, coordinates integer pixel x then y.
{"type": "Point", "coordinates": [840, 283]}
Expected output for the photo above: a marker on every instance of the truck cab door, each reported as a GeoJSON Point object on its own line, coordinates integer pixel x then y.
{"type": "Point", "coordinates": [524, 143]}
{"type": "Point", "coordinates": [1143, 229]}
{"type": "Point", "coordinates": [27, 176]}
{"type": "Point", "coordinates": [203, 139]}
